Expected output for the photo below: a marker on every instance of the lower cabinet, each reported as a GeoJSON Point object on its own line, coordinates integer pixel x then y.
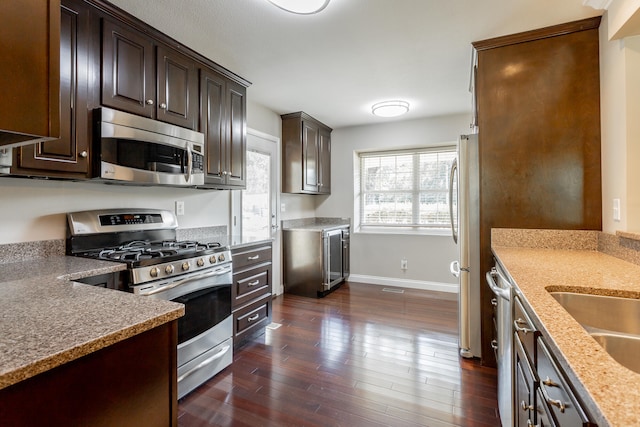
{"type": "Point", "coordinates": [543, 395]}
{"type": "Point", "coordinates": [251, 292]}
{"type": "Point", "coordinates": [130, 383]}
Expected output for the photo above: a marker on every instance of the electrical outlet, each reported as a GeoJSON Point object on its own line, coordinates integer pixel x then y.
{"type": "Point", "coordinates": [403, 264]}
{"type": "Point", "coordinates": [179, 208]}
{"type": "Point", "coordinates": [616, 209]}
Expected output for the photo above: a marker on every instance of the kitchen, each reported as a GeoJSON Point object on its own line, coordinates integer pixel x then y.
{"type": "Point", "coordinates": [34, 210]}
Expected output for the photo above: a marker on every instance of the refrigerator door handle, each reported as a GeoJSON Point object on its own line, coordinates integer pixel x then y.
{"type": "Point", "coordinates": [452, 176]}
{"type": "Point", "coordinates": [455, 268]}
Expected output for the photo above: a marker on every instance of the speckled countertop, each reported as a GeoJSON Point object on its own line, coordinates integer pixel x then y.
{"type": "Point", "coordinates": [610, 391]}
{"type": "Point", "coordinates": [315, 224]}
{"type": "Point", "coordinates": [47, 319]}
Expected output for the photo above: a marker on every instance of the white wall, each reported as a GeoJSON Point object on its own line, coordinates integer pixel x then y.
{"type": "Point", "coordinates": [379, 255]}
{"type": "Point", "coordinates": [620, 109]}
{"type": "Point", "coordinates": [35, 209]}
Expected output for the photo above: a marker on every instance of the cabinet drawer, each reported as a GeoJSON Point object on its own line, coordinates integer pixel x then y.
{"type": "Point", "coordinates": [250, 256]}
{"type": "Point", "coordinates": [254, 316]}
{"type": "Point", "coordinates": [250, 284]}
{"type": "Point", "coordinates": [523, 327]}
{"type": "Point", "coordinates": [555, 393]}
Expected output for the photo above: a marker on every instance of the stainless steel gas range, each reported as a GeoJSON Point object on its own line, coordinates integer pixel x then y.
{"type": "Point", "coordinates": [198, 275]}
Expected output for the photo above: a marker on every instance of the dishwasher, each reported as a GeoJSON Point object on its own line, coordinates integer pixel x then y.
{"type": "Point", "coordinates": [502, 344]}
{"type": "Point", "coordinates": [316, 260]}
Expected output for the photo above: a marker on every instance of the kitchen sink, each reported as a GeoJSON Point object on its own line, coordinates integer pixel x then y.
{"type": "Point", "coordinates": [623, 348]}
{"type": "Point", "coordinates": [602, 312]}
{"type": "Point", "coordinates": [613, 322]}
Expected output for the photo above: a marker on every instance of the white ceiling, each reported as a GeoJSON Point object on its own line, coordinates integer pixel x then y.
{"type": "Point", "coordinates": [336, 64]}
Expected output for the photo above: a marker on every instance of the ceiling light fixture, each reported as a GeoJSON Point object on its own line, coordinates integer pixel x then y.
{"type": "Point", "coordinates": [301, 7]}
{"type": "Point", "coordinates": [390, 108]}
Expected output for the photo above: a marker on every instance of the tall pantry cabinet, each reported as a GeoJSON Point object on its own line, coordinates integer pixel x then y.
{"type": "Point", "coordinates": [538, 115]}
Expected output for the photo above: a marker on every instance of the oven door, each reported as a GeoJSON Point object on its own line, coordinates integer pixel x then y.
{"type": "Point", "coordinates": [205, 343]}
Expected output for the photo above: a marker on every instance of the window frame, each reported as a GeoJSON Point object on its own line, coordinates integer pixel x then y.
{"type": "Point", "coordinates": [443, 228]}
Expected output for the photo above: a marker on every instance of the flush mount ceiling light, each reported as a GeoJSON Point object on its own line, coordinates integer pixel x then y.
{"type": "Point", "coordinates": [390, 108]}
{"type": "Point", "coordinates": [301, 7]}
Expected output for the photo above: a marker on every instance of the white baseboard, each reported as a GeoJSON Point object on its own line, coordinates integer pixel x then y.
{"type": "Point", "coordinates": [404, 283]}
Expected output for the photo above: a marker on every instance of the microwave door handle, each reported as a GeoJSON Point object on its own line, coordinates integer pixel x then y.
{"type": "Point", "coordinates": [189, 162]}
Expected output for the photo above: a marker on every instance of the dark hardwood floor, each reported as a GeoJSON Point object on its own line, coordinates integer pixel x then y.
{"type": "Point", "coordinates": [358, 357]}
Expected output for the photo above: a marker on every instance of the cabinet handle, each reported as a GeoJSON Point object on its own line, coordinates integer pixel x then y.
{"type": "Point", "coordinates": [525, 407]}
{"type": "Point", "coordinates": [149, 101]}
{"type": "Point", "coordinates": [254, 317]}
{"type": "Point", "coordinates": [84, 154]}
{"type": "Point", "coordinates": [224, 172]}
{"type": "Point", "coordinates": [555, 402]}
{"type": "Point", "coordinates": [254, 283]}
{"type": "Point", "coordinates": [251, 258]}
{"type": "Point", "coordinates": [494, 344]}
{"type": "Point", "coordinates": [518, 322]}
{"type": "Point", "coordinates": [550, 383]}
{"type": "Point", "coordinates": [163, 106]}
{"type": "Point", "coordinates": [494, 302]}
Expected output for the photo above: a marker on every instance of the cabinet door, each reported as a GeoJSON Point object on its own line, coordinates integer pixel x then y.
{"type": "Point", "coordinates": [67, 155]}
{"type": "Point", "coordinates": [236, 135]}
{"type": "Point", "coordinates": [29, 70]}
{"type": "Point", "coordinates": [310, 156]}
{"type": "Point", "coordinates": [177, 100]}
{"type": "Point", "coordinates": [212, 124]}
{"type": "Point", "coordinates": [324, 186]}
{"type": "Point", "coordinates": [128, 70]}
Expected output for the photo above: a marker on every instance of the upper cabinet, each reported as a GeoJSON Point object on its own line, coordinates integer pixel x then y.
{"type": "Point", "coordinates": [30, 70]}
{"type": "Point", "coordinates": [67, 155]}
{"type": "Point", "coordinates": [306, 155]}
{"type": "Point", "coordinates": [145, 78]}
{"type": "Point", "coordinates": [223, 107]}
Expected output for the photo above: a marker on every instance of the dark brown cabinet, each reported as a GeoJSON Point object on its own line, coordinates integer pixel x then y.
{"type": "Point", "coordinates": [306, 155]}
{"type": "Point", "coordinates": [538, 100]}
{"type": "Point", "coordinates": [223, 122]}
{"type": "Point", "coordinates": [67, 156]}
{"type": "Point", "coordinates": [145, 78]}
{"type": "Point", "coordinates": [130, 383]}
{"type": "Point", "coordinates": [251, 291]}
{"type": "Point", "coordinates": [30, 67]}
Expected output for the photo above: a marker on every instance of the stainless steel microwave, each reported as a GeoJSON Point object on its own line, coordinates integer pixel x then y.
{"type": "Point", "coordinates": [138, 150]}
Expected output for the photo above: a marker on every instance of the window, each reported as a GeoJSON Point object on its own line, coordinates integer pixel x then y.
{"type": "Point", "coordinates": [408, 188]}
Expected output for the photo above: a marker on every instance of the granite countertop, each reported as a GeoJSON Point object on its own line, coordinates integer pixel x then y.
{"type": "Point", "coordinates": [315, 224]}
{"type": "Point", "coordinates": [48, 320]}
{"type": "Point", "coordinates": [609, 390]}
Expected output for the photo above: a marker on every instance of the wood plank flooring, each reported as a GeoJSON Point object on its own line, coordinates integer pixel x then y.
{"type": "Point", "coordinates": [358, 357]}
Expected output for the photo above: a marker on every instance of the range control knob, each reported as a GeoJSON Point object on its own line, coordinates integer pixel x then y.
{"type": "Point", "coordinates": [185, 266]}
{"type": "Point", "coordinates": [221, 257]}
{"type": "Point", "coordinates": [212, 260]}
{"type": "Point", "coordinates": [154, 272]}
{"type": "Point", "coordinates": [200, 262]}
{"type": "Point", "coordinates": [168, 269]}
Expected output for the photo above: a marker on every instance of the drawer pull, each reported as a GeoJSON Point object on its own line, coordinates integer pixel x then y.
{"type": "Point", "coordinates": [494, 344]}
{"type": "Point", "coordinates": [253, 258]}
{"type": "Point", "coordinates": [494, 302]}
{"type": "Point", "coordinates": [519, 321]}
{"type": "Point", "coordinates": [525, 407]}
{"type": "Point", "coordinates": [550, 383]}
{"type": "Point", "coordinates": [254, 283]}
{"type": "Point", "coordinates": [253, 318]}
{"type": "Point", "coordinates": [557, 403]}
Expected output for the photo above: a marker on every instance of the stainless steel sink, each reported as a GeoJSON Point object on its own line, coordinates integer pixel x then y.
{"type": "Point", "coordinates": [623, 348]}
{"type": "Point", "coordinates": [602, 312]}
{"type": "Point", "coordinates": [612, 321]}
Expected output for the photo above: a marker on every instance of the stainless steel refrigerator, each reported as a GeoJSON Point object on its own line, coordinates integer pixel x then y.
{"type": "Point", "coordinates": [464, 209]}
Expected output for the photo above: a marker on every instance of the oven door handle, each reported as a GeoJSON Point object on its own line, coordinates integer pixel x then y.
{"type": "Point", "coordinates": [205, 362]}
{"type": "Point", "coordinates": [217, 272]}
